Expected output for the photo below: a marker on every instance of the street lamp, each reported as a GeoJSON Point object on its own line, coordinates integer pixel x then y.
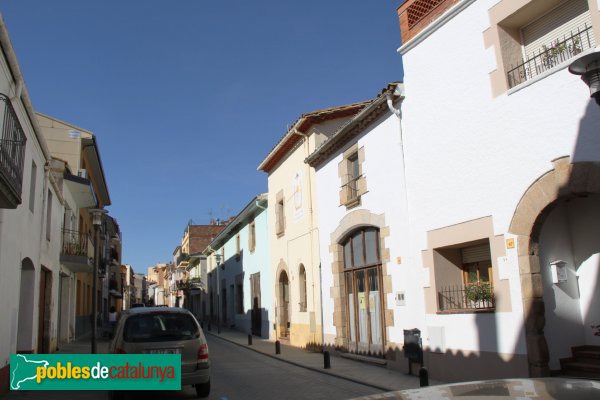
{"type": "Point", "coordinates": [588, 67]}
{"type": "Point", "coordinates": [96, 221]}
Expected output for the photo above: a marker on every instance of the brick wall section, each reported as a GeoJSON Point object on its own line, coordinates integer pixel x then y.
{"type": "Point", "coordinates": [200, 236]}
{"type": "Point", "coordinates": [407, 31]}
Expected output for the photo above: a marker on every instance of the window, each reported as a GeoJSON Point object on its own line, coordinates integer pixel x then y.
{"type": "Point", "coordinates": [160, 327]}
{"type": "Point", "coordinates": [353, 181]}
{"type": "Point", "coordinates": [535, 36]}
{"type": "Point", "coordinates": [302, 288]}
{"type": "Point", "coordinates": [363, 283]}
{"type": "Point", "coordinates": [465, 275]}
{"type": "Point", "coordinates": [49, 216]}
{"type": "Point", "coordinates": [252, 236]}
{"type": "Point", "coordinates": [280, 215]}
{"type": "Point", "coordinates": [555, 37]}
{"type": "Point", "coordinates": [32, 186]}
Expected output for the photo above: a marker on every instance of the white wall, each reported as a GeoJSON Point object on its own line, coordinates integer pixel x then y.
{"type": "Point", "coordinates": [385, 195]}
{"type": "Point", "coordinates": [470, 155]}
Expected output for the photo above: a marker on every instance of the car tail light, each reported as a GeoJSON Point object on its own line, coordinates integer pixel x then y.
{"type": "Point", "coordinates": [120, 351]}
{"type": "Point", "coordinates": [203, 354]}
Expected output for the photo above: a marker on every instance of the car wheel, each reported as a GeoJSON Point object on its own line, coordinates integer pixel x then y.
{"type": "Point", "coordinates": [203, 390]}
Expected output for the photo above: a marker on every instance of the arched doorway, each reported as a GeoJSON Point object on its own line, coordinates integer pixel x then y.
{"type": "Point", "coordinates": [283, 305]}
{"type": "Point", "coordinates": [364, 300]}
{"type": "Point", "coordinates": [26, 296]}
{"type": "Point", "coordinates": [545, 215]}
{"type": "Point", "coordinates": [569, 253]}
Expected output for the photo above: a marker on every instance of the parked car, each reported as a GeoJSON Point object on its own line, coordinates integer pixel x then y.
{"type": "Point", "coordinates": [526, 388]}
{"type": "Point", "coordinates": [136, 305]}
{"type": "Point", "coordinates": [160, 330]}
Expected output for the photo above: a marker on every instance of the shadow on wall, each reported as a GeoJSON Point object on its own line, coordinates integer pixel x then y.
{"type": "Point", "coordinates": [561, 282]}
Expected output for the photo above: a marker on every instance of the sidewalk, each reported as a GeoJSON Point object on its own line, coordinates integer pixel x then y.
{"type": "Point", "coordinates": [363, 373]}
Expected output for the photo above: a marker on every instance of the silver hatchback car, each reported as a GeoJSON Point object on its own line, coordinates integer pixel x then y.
{"type": "Point", "coordinates": [160, 330]}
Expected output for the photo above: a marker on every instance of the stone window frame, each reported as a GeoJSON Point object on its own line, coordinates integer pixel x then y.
{"type": "Point", "coordinates": [302, 288]}
{"type": "Point", "coordinates": [358, 184]}
{"type": "Point", "coordinates": [507, 18]}
{"type": "Point", "coordinates": [252, 236]}
{"type": "Point", "coordinates": [350, 222]}
{"type": "Point", "coordinates": [459, 236]}
{"type": "Point", "coordinates": [279, 214]}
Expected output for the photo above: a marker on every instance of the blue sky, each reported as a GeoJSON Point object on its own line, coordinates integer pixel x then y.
{"type": "Point", "coordinates": [187, 97]}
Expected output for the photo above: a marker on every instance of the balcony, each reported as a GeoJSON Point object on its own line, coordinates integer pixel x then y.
{"type": "Point", "coordinates": [12, 150]}
{"type": "Point", "coordinates": [350, 190]}
{"type": "Point", "coordinates": [469, 298]}
{"type": "Point", "coordinates": [114, 288]}
{"type": "Point", "coordinates": [547, 57]}
{"type": "Point", "coordinates": [77, 251]}
{"type": "Point", "coordinates": [416, 15]}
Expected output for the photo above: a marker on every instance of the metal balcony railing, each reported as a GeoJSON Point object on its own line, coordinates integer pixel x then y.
{"type": "Point", "coordinates": [12, 147]}
{"type": "Point", "coordinates": [76, 243]}
{"type": "Point", "coordinates": [474, 296]}
{"type": "Point", "coordinates": [351, 187]}
{"type": "Point", "coordinates": [548, 57]}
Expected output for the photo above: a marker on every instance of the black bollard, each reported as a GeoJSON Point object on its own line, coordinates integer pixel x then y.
{"type": "Point", "coordinates": [423, 376]}
{"type": "Point", "coordinates": [209, 326]}
{"type": "Point", "coordinates": [277, 347]}
{"type": "Point", "coordinates": [326, 360]}
{"type": "Point", "coordinates": [249, 340]}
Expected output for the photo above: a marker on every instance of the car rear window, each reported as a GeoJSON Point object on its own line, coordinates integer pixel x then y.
{"type": "Point", "coordinates": [160, 327]}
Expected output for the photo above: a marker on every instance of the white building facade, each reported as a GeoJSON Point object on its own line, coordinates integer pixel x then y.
{"type": "Point", "coordinates": [31, 213]}
{"type": "Point", "coordinates": [364, 244]}
{"type": "Point", "coordinates": [502, 181]}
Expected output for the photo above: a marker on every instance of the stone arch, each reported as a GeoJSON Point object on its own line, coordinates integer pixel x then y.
{"type": "Point", "coordinates": [349, 223]}
{"type": "Point", "coordinates": [564, 181]}
{"type": "Point", "coordinates": [27, 291]}
{"type": "Point", "coordinates": [282, 276]}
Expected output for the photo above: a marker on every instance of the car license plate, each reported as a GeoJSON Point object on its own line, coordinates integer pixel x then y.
{"type": "Point", "coordinates": [163, 351]}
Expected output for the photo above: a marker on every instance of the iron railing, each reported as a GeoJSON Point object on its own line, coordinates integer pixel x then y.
{"type": "Point", "coordinates": [474, 296]}
{"type": "Point", "coordinates": [12, 145]}
{"type": "Point", "coordinates": [546, 57]}
{"type": "Point", "coordinates": [351, 186]}
{"type": "Point", "coordinates": [75, 243]}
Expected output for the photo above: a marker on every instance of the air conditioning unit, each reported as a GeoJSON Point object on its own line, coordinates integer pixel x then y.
{"type": "Point", "coordinates": [82, 173]}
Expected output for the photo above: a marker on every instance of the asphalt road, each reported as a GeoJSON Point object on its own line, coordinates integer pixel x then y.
{"type": "Point", "coordinates": [242, 374]}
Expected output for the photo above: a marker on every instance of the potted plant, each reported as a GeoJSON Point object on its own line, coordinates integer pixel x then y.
{"type": "Point", "coordinates": [479, 294]}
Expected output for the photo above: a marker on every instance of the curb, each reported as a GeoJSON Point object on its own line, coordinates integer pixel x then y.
{"type": "Point", "coordinates": [322, 371]}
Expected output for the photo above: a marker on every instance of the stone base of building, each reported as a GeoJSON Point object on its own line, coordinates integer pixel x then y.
{"type": "Point", "coordinates": [460, 366]}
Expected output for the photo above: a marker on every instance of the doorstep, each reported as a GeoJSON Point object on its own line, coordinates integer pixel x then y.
{"type": "Point", "coordinates": [366, 359]}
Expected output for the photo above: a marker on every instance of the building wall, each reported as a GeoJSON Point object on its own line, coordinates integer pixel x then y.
{"type": "Point", "coordinates": [383, 206]}
{"type": "Point", "coordinates": [477, 153]}
{"type": "Point", "coordinates": [238, 269]}
{"type": "Point", "coordinates": [299, 245]}
{"type": "Point", "coordinates": [23, 241]}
